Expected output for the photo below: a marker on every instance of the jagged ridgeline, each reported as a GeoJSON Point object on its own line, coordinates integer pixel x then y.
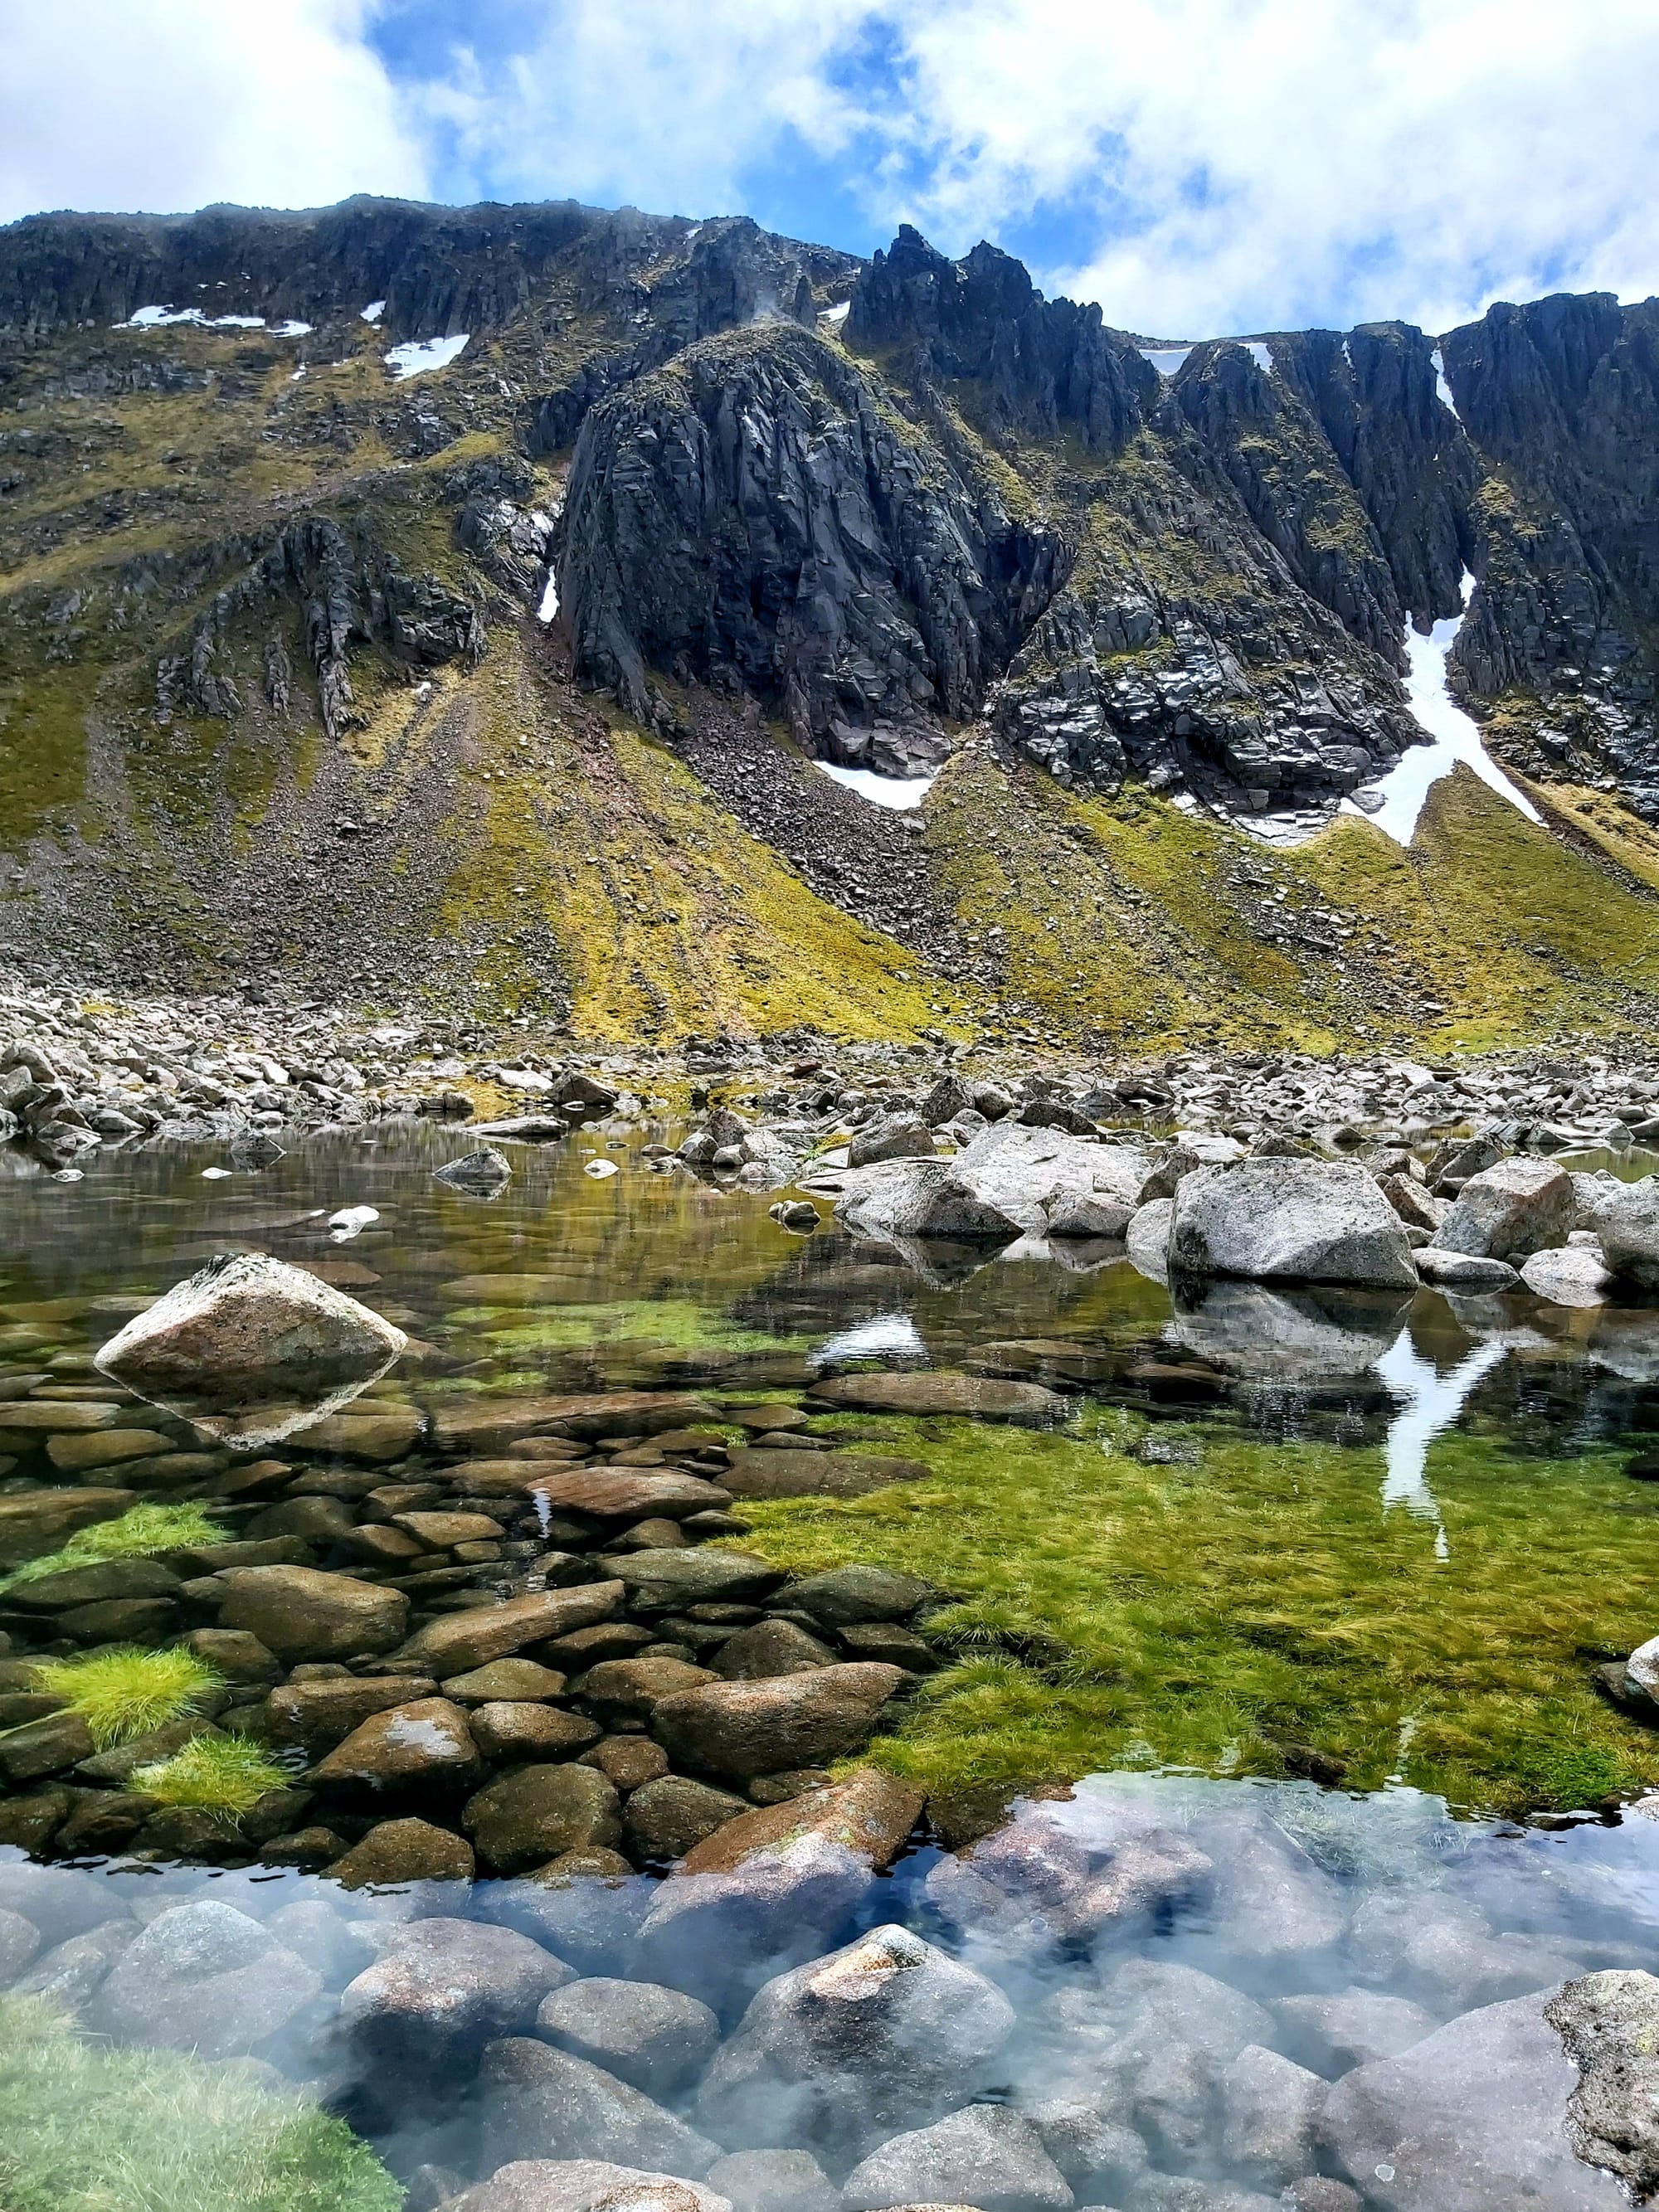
{"type": "Point", "coordinates": [400, 601]}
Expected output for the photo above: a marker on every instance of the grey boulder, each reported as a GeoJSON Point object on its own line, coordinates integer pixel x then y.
{"type": "Point", "coordinates": [985, 2155]}
{"type": "Point", "coordinates": [657, 2039]}
{"type": "Point", "coordinates": [924, 1199]}
{"type": "Point", "coordinates": [1048, 1181]}
{"type": "Point", "coordinates": [774, 2181]}
{"type": "Point", "coordinates": [1625, 1216]}
{"type": "Point", "coordinates": [203, 1977]}
{"type": "Point", "coordinates": [443, 1987]}
{"type": "Point", "coordinates": [536, 2102]}
{"type": "Point", "coordinates": [485, 1173]}
{"type": "Point", "coordinates": [719, 1936]}
{"type": "Point", "coordinates": [1517, 1207]}
{"type": "Point", "coordinates": [1320, 1221]}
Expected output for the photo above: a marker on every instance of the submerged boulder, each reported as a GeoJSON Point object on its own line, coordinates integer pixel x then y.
{"type": "Point", "coordinates": [776, 1724]}
{"type": "Point", "coordinates": [246, 1324]}
{"type": "Point", "coordinates": [984, 2155]}
{"type": "Point", "coordinates": [1320, 1221]}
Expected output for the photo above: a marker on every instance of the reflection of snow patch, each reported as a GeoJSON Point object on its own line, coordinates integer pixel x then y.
{"type": "Point", "coordinates": [1443, 390]}
{"type": "Point", "coordinates": [883, 1336]}
{"type": "Point", "coordinates": [419, 357]}
{"type": "Point", "coordinates": [549, 606]}
{"type": "Point", "coordinates": [1166, 359]}
{"type": "Point", "coordinates": [901, 791]}
{"type": "Point", "coordinates": [373, 312]}
{"type": "Point", "coordinates": [1396, 801]}
{"type": "Point", "coordinates": [1428, 1404]}
{"type": "Point", "coordinates": [838, 314]}
{"type": "Point", "coordinates": [1257, 349]}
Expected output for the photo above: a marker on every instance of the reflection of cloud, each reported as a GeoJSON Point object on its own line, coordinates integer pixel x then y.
{"type": "Point", "coordinates": [883, 1336]}
{"type": "Point", "coordinates": [1429, 1403]}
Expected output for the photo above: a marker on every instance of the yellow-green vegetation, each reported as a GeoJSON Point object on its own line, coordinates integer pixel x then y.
{"type": "Point", "coordinates": [87, 2128]}
{"type": "Point", "coordinates": [139, 1533]}
{"type": "Point", "coordinates": [225, 1775]}
{"type": "Point", "coordinates": [673, 1324]}
{"type": "Point", "coordinates": [1257, 1611]}
{"type": "Point", "coordinates": [127, 1691]}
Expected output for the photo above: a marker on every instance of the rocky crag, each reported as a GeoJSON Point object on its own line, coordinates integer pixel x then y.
{"type": "Point", "coordinates": [500, 684]}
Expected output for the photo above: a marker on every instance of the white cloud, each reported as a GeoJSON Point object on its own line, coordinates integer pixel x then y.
{"type": "Point", "coordinates": [1220, 164]}
{"type": "Point", "coordinates": [109, 104]}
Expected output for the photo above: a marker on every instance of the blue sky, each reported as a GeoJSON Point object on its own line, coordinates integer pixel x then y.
{"type": "Point", "coordinates": [1196, 166]}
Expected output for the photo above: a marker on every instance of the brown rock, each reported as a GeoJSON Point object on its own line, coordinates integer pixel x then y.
{"type": "Point", "coordinates": [461, 1641]}
{"type": "Point", "coordinates": [378, 1544]}
{"type": "Point", "coordinates": [491, 1427]}
{"type": "Point", "coordinates": [612, 1493]}
{"type": "Point", "coordinates": [316, 1715]}
{"type": "Point", "coordinates": [33, 1522]}
{"type": "Point", "coordinates": [404, 1851]}
{"type": "Point", "coordinates": [629, 1761]}
{"type": "Point", "coordinates": [770, 1647]}
{"type": "Point", "coordinates": [520, 1681]}
{"type": "Point", "coordinates": [745, 1729]}
{"type": "Point", "coordinates": [234, 1654]}
{"type": "Point", "coordinates": [301, 1613]}
{"type": "Point", "coordinates": [871, 1812]}
{"type": "Point", "coordinates": [387, 1433]}
{"type": "Point", "coordinates": [1027, 1405]}
{"type": "Point", "coordinates": [28, 1823]}
{"type": "Point", "coordinates": [630, 1689]}
{"type": "Point", "coordinates": [120, 1621]}
{"type": "Point", "coordinates": [665, 1819]}
{"type": "Point", "coordinates": [420, 1743]}
{"type": "Point", "coordinates": [44, 1747]}
{"type": "Point", "coordinates": [504, 1730]}
{"type": "Point", "coordinates": [77, 1455]}
{"type": "Point", "coordinates": [439, 1532]}
{"type": "Point", "coordinates": [541, 1812]}
{"type": "Point", "coordinates": [50, 1417]}
{"type": "Point", "coordinates": [758, 1473]}
{"type": "Point", "coordinates": [94, 1585]}
{"type": "Point", "coordinates": [586, 1647]}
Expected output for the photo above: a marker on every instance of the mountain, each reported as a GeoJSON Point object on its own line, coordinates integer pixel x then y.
{"type": "Point", "coordinates": [280, 711]}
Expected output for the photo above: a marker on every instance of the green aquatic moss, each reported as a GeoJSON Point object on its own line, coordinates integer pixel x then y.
{"type": "Point", "coordinates": [139, 1534]}
{"type": "Point", "coordinates": [127, 1691]}
{"type": "Point", "coordinates": [677, 1324]}
{"type": "Point", "coordinates": [85, 2128]}
{"type": "Point", "coordinates": [226, 1775]}
{"type": "Point", "coordinates": [1256, 1611]}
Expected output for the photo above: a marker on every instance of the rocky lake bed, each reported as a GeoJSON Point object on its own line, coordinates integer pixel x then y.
{"type": "Point", "coordinates": [832, 1627]}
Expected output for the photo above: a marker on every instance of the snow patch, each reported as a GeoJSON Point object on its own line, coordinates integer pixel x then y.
{"type": "Point", "coordinates": [549, 606]}
{"type": "Point", "coordinates": [1347, 353]}
{"type": "Point", "coordinates": [373, 312]}
{"type": "Point", "coordinates": [1396, 801]}
{"type": "Point", "coordinates": [838, 314]}
{"type": "Point", "coordinates": [298, 374]}
{"type": "Point", "coordinates": [901, 791]}
{"type": "Point", "coordinates": [1166, 359]}
{"type": "Point", "coordinates": [420, 357]}
{"type": "Point", "coordinates": [153, 318]}
{"type": "Point", "coordinates": [1443, 390]}
{"type": "Point", "coordinates": [1257, 349]}
{"type": "Point", "coordinates": [291, 330]}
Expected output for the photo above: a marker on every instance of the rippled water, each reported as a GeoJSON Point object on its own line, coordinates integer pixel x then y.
{"type": "Point", "coordinates": [1380, 1543]}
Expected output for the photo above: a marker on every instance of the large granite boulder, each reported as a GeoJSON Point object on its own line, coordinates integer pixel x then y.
{"type": "Point", "coordinates": [658, 2039]}
{"type": "Point", "coordinates": [1053, 1182]}
{"type": "Point", "coordinates": [537, 2102]}
{"type": "Point", "coordinates": [720, 1934]}
{"type": "Point", "coordinates": [985, 2155]}
{"type": "Point", "coordinates": [922, 1199]}
{"type": "Point", "coordinates": [1319, 1221]}
{"type": "Point", "coordinates": [1517, 1207]}
{"type": "Point", "coordinates": [1625, 1216]}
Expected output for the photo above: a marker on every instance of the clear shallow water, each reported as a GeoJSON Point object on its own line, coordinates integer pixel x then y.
{"type": "Point", "coordinates": [1379, 1541]}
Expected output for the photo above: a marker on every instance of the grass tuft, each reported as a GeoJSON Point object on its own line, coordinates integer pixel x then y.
{"type": "Point", "coordinates": [225, 1775]}
{"type": "Point", "coordinates": [84, 2128]}
{"type": "Point", "coordinates": [139, 1534]}
{"type": "Point", "coordinates": [126, 1692]}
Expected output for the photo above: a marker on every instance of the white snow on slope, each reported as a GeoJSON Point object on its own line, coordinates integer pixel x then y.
{"type": "Point", "coordinates": [549, 606]}
{"type": "Point", "coordinates": [1443, 390]}
{"type": "Point", "coordinates": [901, 791]}
{"type": "Point", "coordinates": [151, 318]}
{"type": "Point", "coordinates": [1257, 349]}
{"type": "Point", "coordinates": [373, 312]}
{"type": "Point", "coordinates": [420, 357]}
{"type": "Point", "coordinates": [838, 314]}
{"type": "Point", "coordinates": [291, 330]}
{"type": "Point", "coordinates": [1166, 359]}
{"type": "Point", "coordinates": [1396, 801]}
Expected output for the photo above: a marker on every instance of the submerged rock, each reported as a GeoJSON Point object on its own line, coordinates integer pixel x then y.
{"type": "Point", "coordinates": [537, 2102]}
{"type": "Point", "coordinates": [485, 1173]}
{"type": "Point", "coordinates": [300, 1612]}
{"type": "Point", "coordinates": [585, 2185]}
{"type": "Point", "coordinates": [442, 1988]}
{"type": "Point", "coordinates": [658, 2039]}
{"type": "Point", "coordinates": [204, 1977]}
{"type": "Point", "coordinates": [766, 1727]}
{"type": "Point", "coordinates": [985, 2155]}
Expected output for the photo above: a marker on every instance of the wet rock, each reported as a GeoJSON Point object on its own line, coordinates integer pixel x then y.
{"type": "Point", "coordinates": [1570, 1275]}
{"type": "Point", "coordinates": [1471, 2119]}
{"type": "Point", "coordinates": [842, 1595]}
{"type": "Point", "coordinates": [1517, 1207]}
{"type": "Point", "coordinates": [423, 1744]}
{"type": "Point", "coordinates": [1608, 2024]}
{"type": "Point", "coordinates": [203, 1977]}
{"type": "Point", "coordinates": [632, 1689]}
{"type": "Point", "coordinates": [1146, 1238]}
{"type": "Point", "coordinates": [869, 1814]}
{"type": "Point", "coordinates": [629, 1761]}
{"type": "Point", "coordinates": [518, 1680]}
{"type": "Point", "coordinates": [974, 1397]}
{"type": "Point", "coordinates": [1269, 1899]}
{"type": "Point", "coordinates": [1331, 2034]}
{"type": "Point", "coordinates": [746, 1729]}
{"type": "Point", "coordinates": [758, 1471]}
{"type": "Point", "coordinates": [1321, 1221]}
{"type": "Point", "coordinates": [1464, 1271]}
{"type": "Point", "coordinates": [441, 1989]}
{"type": "Point", "coordinates": [47, 1746]}
{"type": "Point", "coordinates": [300, 1612]}
{"type": "Point", "coordinates": [234, 1654]}
{"type": "Point", "coordinates": [920, 1198]}
{"type": "Point", "coordinates": [886, 2033]}
{"type": "Point", "coordinates": [250, 1325]}
{"type": "Point", "coordinates": [537, 2102]}
{"type": "Point", "coordinates": [585, 2185]}
{"type": "Point", "coordinates": [1053, 1182]}
{"type": "Point", "coordinates": [1149, 2005]}
{"type": "Point", "coordinates": [665, 1819]}
{"type": "Point", "coordinates": [626, 1493]}
{"type": "Point", "coordinates": [409, 1850]}
{"type": "Point", "coordinates": [506, 1730]}
{"type": "Point", "coordinates": [719, 1934]}
{"type": "Point", "coordinates": [537, 1813]}
{"type": "Point", "coordinates": [770, 1647]}
{"type": "Point", "coordinates": [1443, 1949]}
{"type": "Point", "coordinates": [1269, 2108]}
{"type": "Point", "coordinates": [315, 1715]}
{"type": "Point", "coordinates": [485, 1172]}
{"type": "Point", "coordinates": [772, 2180]}
{"type": "Point", "coordinates": [985, 2155]}
{"type": "Point", "coordinates": [77, 1455]}
{"type": "Point", "coordinates": [322, 1937]}
{"type": "Point", "coordinates": [669, 1581]}
{"type": "Point", "coordinates": [658, 2039]}
{"type": "Point", "coordinates": [33, 1521]}
{"type": "Point", "coordinates": [1625, 1217]}
{"type": "Point", "coordinates": [456, 1642]}
{"type": "Point", "coordinates": [60, 1901]}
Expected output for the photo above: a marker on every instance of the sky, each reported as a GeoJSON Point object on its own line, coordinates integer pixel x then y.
{"type": "Point", "coordinates": [1198, 167]}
